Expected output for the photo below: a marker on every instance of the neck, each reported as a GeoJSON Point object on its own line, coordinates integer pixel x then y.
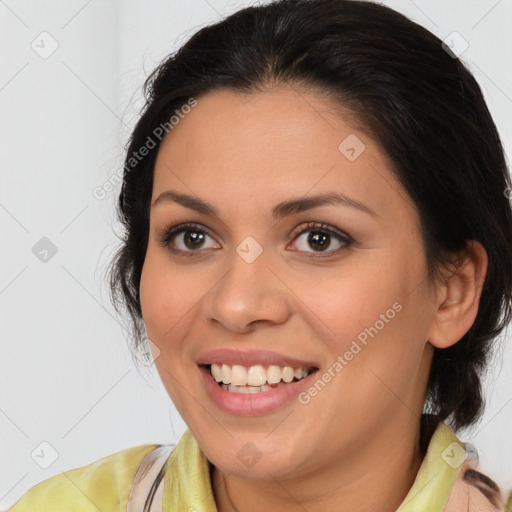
{"type": "Point", "coordinates": [360, 481]}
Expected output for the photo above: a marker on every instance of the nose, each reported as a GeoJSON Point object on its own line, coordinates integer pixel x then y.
{"type": "Point", "coordinates": [248, 293]}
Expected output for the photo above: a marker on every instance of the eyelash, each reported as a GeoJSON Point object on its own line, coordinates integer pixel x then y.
{"type": "Point", "coordinates": [316, 227]}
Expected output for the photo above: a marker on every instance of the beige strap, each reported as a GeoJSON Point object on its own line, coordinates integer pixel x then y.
{"type": "Point", "coordinates": [149, 469]}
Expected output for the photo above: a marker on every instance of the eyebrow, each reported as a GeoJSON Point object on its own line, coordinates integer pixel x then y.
{"type": "Point", "coordinates": [283, 209]}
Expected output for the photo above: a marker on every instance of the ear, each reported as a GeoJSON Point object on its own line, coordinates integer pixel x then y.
{"type": "Point", "coordinates": [458, 297]}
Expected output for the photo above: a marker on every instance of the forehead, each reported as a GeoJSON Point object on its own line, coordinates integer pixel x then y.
{"type": "Point", "coordinates": [277, 126]}
{"type": "Point", "coordinates": [252, 148]}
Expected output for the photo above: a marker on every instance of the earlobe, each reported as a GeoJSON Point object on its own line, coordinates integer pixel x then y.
{"type": "Point", "coordinates": [459, 297]}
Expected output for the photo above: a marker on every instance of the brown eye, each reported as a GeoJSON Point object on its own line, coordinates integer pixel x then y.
{"type": "Point", "coordinates": [185, 238]}
{"type": "Point", "coordinates": [189, 239]}
{"type": "Point", "coordinates": [320, 238]}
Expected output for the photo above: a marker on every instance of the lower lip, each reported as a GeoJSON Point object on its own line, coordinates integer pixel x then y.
{"type": "Point", "coordinates": [251, 404]}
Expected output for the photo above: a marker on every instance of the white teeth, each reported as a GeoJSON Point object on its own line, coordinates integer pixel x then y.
{"type": "Point", "coordinates": [245, 389]}
{"type": "Point", "coordinates": [273, 374]}
{"type": "Point", "coordinates": [300, 372]}
{"type": "Point", "coordinates": [225, 373]}
{"type": "Point", "coordinates": [216, 372]}
{"type": "Point", "coordinates": [238, 375]}
{"type": "Point", "coordinates": [255, 376]}
{"type": "Point", "coordinates": [288, 374]}
{"type": "Point", "coordinates": [239, 389]}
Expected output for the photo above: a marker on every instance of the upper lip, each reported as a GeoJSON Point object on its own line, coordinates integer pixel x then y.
{"type": "Point", "coordinates": [252, 358]}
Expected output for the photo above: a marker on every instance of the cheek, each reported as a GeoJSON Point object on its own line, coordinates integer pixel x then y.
{"type": "Point", "coordinates": [166, 309]}
{"type": "Point", "coordinates": [166, 297]}
{"type": "Point", "coordinates": [353, 297]}
{"type": "Point", "coordinates": [371, 314]}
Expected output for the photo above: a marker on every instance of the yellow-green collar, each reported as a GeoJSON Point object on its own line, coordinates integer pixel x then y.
{"type": "Point", "coordinates": [437, 474]}
{"type": "Point", "coordinates": [188, 486]}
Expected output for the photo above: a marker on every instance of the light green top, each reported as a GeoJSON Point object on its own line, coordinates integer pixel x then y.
{"type": "Point", "coordinates": [105, 484]}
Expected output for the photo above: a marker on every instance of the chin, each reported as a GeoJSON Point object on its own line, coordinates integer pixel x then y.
{"type": "Point", "coordinates": [254, 464]}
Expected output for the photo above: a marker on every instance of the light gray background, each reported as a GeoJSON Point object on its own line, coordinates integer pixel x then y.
{"type": "Point", "coordinates": [67, 378]}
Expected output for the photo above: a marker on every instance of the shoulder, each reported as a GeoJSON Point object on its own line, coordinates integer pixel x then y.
{"type": "Point", "coordinates": [474, 491]}
{"type": "Point", "coordinates": [102, 485]}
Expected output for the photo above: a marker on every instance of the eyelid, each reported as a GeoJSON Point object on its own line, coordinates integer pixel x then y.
{"type": "Point", "coordinates": [346, 240]}
{"type": "Point", "coordinates": [164, 236]}
{"type": "Point", "coordinates": [320, 226]}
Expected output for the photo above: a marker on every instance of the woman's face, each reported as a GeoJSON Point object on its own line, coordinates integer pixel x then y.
{"type": "Point", "coordinates": [254, 284]}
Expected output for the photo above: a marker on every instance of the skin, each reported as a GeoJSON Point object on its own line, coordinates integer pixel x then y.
{"type": "Point", "coordinates": [244, 154]}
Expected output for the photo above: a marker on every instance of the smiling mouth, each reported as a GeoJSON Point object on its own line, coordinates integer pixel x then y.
{"type": "Point", "coordinates": [257, 378]}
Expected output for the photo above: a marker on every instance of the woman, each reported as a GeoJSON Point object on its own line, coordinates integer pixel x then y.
{"type": "Point", "coordinates": [318, 246]}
